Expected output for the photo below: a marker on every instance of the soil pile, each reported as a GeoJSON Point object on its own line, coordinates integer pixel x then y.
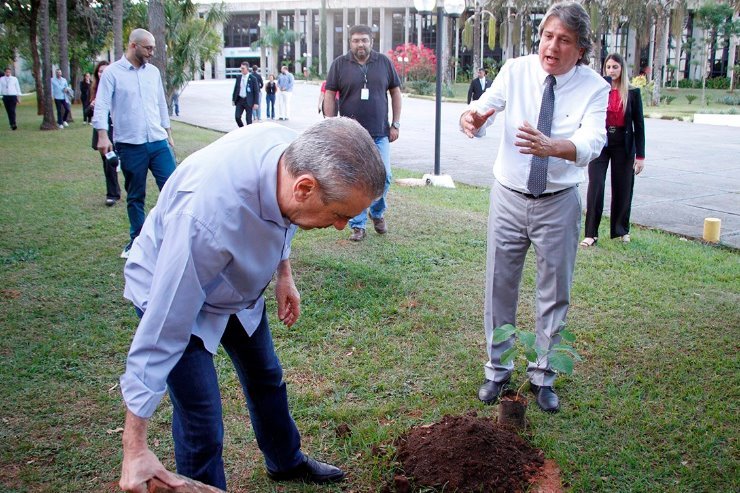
{"type": "Point", "coordinates": [468, 454]}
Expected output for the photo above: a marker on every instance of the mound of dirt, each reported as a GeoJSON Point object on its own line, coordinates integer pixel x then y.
{"type": "Point", "coordinates": [468, 454]}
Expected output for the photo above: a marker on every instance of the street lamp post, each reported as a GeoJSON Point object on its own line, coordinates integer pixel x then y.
{"type": "Point", "coordinates": [454, 8]}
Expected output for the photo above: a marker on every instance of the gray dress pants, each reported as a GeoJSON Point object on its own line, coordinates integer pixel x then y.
{"type": "Point", "coordinates": [552, 225]}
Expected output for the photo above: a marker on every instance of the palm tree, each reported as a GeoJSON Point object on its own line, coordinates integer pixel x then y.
{"type": "Point", "coordinates": [275, 39]}
{"type": "Point", "coordinates": [157, 28]}
{"type": "Point", "coordinates": [63, 38]}
{"type": "Point", "coordinates": [662, 14]}
{"type": "Point", "coordinates": [323, 68]}
{"type": "Point", "coordinates": [48, 122]}
{"type": "Point", "coordinates": [190, 41]}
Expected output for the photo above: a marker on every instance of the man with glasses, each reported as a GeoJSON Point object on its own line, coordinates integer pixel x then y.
{"type": "Point", "coordinates": [363, 78]}
{"type": "Point", "coordinates": [131, 90]}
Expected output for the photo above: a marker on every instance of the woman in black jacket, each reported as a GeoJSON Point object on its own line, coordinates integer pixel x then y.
{"type": "Point", "coordinates": [625, 148]}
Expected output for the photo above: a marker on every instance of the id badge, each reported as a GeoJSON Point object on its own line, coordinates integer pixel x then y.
{"type": "Point", "coordinates": [365, 94]}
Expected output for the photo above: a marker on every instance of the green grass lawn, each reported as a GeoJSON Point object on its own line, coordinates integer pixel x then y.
{"type": "Point", "coordinates": [390, 337]}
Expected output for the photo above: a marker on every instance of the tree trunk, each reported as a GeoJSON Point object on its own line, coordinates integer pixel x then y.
{"type": "Point", "coordinates": [476, 41]}
{"type": "Point", "coordinates": [323, 68]}
{"type": "Point", "coordinates": [33, 41]}
{"type": "Point", "coordinates": [157, 28]}
{"type": "Point", "coordinates": [117, 29]}
{"type": "Point", "coordinates": [64, 47]}
{"type": "Point", "coordinates": [47, 102]}
{"type": "Point", "coordinates": [660, 51]}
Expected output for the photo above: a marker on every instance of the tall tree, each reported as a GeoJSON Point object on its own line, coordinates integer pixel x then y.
{"type": "Point", "coordinates": [117, 29]}
{"type": "Point", "coordinates": [662, 14]}
{"type": "Point", "coordinates": [48, 121]}
{"type": "Point", "coordinates": [25, 17]}
{"type": "Point", "coordinates": [63, 37]}
{"type": "Point", "coordinates": [157, 28]}
{"type": "Point", "coordinates": [275, 39]}
{"type": "Point", "coordinates": [323, 68]}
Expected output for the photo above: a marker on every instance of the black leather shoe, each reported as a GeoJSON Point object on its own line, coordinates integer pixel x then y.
{"type": "Point", "coordinates": [547, 399]}
{"type": "Point", "coordinates": [490, 391]}
{"type": "Point", "coordinates": [309, 471]}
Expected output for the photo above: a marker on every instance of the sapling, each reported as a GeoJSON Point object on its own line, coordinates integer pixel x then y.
{"type": "Point", "coordinates": [561, 356]}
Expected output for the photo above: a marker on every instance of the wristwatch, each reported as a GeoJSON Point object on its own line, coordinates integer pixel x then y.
{"type": "Point", "coordinates": [396, 125]}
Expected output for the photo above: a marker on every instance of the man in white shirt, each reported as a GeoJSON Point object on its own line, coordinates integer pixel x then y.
{"type": "Point", "coordinates": [534, 198]}
{"type": "Point", "coordinates": [131, 90]}
{"type": "Point", "coordinates": [220, 231]}
{"type": "Point", "coordinates": [11, 92]}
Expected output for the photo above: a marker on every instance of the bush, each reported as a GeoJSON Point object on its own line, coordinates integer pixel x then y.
{"type": "Point", "coordinates": [691, 97]}
{"type": "Point", "coordinates": [421, 87]}
{"type": "Point", "coordinates": [421, 64]}
{"type": "Point", "coordinates": [730, 100]}
{"type": "Point", "coordinates": [689, 84]}
{"type": "Point", "coordinates": [668, 99]}
{"type": "Point", "coordinates": [718, 83]}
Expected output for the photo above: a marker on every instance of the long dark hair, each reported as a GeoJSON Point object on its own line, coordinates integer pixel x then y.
{"type": "Point", "coordinates": [624, 84]}
{"type": "Point", "coordinates": [96, 77]}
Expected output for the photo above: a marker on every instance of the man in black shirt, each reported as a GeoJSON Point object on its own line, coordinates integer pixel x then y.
{"type": "Point", "coordinates": [363, 77]}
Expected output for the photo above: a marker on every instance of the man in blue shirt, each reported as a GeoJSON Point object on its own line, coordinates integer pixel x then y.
{"type": "Point", "coordinates": [285, 84]}
{"type": "Point", "coordinates": [131, 90]}
{"type": "Point", "coordinates": [59, 91]}
{"type": "Point", "coordinates": [220, 231]}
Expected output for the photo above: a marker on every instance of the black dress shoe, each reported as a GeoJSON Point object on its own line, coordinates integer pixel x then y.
{"type": "Point", "coordinates": [490, 391]}
{"type": "Point", "coordinates": [309, 471]}
{"type": "Point", "coordinates": [547, 399]}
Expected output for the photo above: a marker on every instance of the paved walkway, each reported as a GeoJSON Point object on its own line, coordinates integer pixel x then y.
{"type": "Point", "coordinates": [692, 171]}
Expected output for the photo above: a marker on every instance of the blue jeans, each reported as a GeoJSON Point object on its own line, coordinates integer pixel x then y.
{"type": "Point", "coordinates": [257, 114]}
{"type": "Point", "coordinates": [378, 207]}
{"type": "Point", "coordinates": [136, 159]}
{"type": "Point", "coordinates": [270, 102]}
{"type": "Point", "coordinates": [197, 425]}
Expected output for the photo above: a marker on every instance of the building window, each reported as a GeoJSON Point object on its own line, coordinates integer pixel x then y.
{"type": "Point", "coordinates": [241, 31]}
{"type": "Point", "coordinates": [398, 28]}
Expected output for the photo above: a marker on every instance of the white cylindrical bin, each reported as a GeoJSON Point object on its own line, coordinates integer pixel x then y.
{"type": "Point", "coordinates": [711, 229]}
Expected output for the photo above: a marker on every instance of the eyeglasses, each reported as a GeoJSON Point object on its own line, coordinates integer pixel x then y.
{"type": "Point", "coordinates": [147, 48]}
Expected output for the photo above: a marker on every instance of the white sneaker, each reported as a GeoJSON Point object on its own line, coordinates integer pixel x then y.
{"type": "Point", "coordinates": [61, 127]}
{"type": "Point", "coordinates": [126, 251]}
{"type": "Point", "coordinates": [65, 124]}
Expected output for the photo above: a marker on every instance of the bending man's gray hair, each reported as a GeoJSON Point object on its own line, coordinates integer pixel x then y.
{"type": "Point", "coordinates": [341, 155]}
{"type": "Point", "coordinates": [575, 18]}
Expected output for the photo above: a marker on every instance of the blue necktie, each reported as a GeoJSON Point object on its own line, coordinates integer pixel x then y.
{"type": "Point", "coordinates": [538, 172]}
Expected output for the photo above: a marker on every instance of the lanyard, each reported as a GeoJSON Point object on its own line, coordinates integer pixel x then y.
{"type": "Point", "coordinates": [364, 69]}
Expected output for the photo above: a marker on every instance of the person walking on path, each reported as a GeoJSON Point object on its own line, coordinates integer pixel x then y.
{"type": "Point", "coordinates": [257, 112]}
{"type": "Point", "coordinates": [271, 89]}
{"type": "Point", "coordinates": [85, 84]}
{"type": "Point", "coordinates": [11, 92]}
{"type": "Point", "coordinates": [478, 85]}
{"type": "Point", "coordinates": [625, 148]}
{"type": "Point", "coordinates": [363, 78]}
{"type": "Point", "coordinates": [131, 91]}
{"type": "Point", "coordinates": [60, 90]}
{"type": "Point", "coordinates": [534, 198]}
{"type": "Point", "coordinates": [110, 166]}
{"type": "Point", "coordinates": [220, 232]}
{"type": "Point", "coordinates": [245, 96]}
{"type": "Point", "coordinates": [285, 84]}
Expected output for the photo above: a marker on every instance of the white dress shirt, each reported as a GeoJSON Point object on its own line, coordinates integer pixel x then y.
{"type": "Point", "coordinates": [136, 101]}
{"type": "Point", "coordinates": [206, 251]}
{"type": "Point", "coordinates": [9, 86]}
{"type": "Point", "coordinates": [580, 112]}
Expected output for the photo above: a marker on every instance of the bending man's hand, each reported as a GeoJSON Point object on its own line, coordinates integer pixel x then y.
{"type": "Point", "coordinates": [139, 463]}
{"type": "Point", "coordinates": [471, 121]}
{"type": "Point", "coordinates": [140, 467]}
{"type": "Point", "coordinates": [288, 297]}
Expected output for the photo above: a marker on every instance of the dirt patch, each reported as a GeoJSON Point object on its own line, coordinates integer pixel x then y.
{"type": "Point", "coordinates": [472, 454]}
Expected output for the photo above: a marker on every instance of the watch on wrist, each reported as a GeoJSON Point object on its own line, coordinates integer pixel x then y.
{"type": "Point", "coordinates": [396, 125]}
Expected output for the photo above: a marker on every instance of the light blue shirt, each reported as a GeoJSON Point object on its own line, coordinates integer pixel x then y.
{"type": "Point", "coordinates": [58, 85]}
{"type": "Point", "coordinates": [285, 81]}
{"type": "Point", "coordinates": [206, 251]}
{"type": "Point", "coordinates": [136, 101]}
{"type": "Point", "coordinates": [580, 112]}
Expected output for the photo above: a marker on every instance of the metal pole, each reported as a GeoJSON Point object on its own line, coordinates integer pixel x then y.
{"type": "Point", "coordinates": [438, 97]}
